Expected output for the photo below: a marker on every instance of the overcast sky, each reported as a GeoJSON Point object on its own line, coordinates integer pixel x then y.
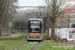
{"type": "Point", "coordinates": [32, 3]}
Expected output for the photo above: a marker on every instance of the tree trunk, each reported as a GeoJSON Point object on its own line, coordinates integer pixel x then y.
{"type": "Point", "coordinates": [52, 29]}
{"type": "Point", "coordinates": [53, 19]}
{"type": "Point", "coordinates": [0, 29]}
{"type": "Point", "coordinates": [68, 20]}
{"type": "Point", "coordinates": [48, 24]}
{"type": "Point", "coordinates": [0, 24]}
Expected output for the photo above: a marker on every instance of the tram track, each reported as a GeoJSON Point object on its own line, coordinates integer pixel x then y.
{"type": "Point", "coordinates": [36, 46]}
{"type": "Point", "coordinates": [26, 44]}
{"type": "Point", "coordinates": [21, 46]}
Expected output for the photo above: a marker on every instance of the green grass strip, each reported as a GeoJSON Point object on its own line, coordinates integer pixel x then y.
{"type": "Point", "coordinates": [53, 46]}
{"type": "Point", "coordinates": [29, 46]}
{"type": "Point", "coordinates": [12, 43]}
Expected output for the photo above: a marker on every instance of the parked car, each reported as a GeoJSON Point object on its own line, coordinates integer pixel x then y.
{"type": "Point", "coordinates": [71, 30]}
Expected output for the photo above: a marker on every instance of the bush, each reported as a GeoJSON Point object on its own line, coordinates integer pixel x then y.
{"type": "Point", "coordinates": [46, 37]}
{"type": "Point", "coordinates": [63, 40]}
{"type": "Point", "coordinates": [49, 38]}
{"type": "Point", "coordinates": [23, 36]}
{"type": "Point", "coordinates": [4, 32]}
{"type": "Point", "coordinates": [58, 39]}
{"type": "Point", "coordinates": [14, 31]}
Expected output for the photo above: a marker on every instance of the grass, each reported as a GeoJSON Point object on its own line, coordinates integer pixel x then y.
{"type": "Point", "coordinates": [23, 36]}
{"type": "Point", "coordinates": [29, 46]}
{"type": "Point", "coordinates": [3, 32]}
{"type": "Point", "coordinates": [14, 31]}
{"type": "Point", "coordinates": [44, 36]}
{"type": "Point", "coordinates": [12, 43]}
{"type": "Point", "coordinates": [52, 46]}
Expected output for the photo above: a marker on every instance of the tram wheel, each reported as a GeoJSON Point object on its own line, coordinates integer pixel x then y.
{"type": "Point", "coordinates": [31, 41]}
{"type": "Point", "coordinates": [28, 41]}
{"type": "Point", "coordinates": [39, 41]}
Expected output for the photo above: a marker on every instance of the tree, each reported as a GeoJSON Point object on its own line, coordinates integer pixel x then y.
{"type": "Point", "coordinates": [8, 15]}
{"type": "Point", "coordinates": [60, 20]}
{"type": "Point", "coordinates": [2, 8]}
{"type": "Point", "coordinates": [55, 7]}
{"type": "Point", "coordinates": [4, 11]}
{"type": "Point", "coordinates": [69, 10]}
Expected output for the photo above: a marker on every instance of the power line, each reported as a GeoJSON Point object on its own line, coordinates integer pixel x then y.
{"type": "Point", "coordinates": [27, 6]}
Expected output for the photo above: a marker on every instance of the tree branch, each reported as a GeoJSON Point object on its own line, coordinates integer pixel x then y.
{"type": "Point", "coordinates": [5, 2]}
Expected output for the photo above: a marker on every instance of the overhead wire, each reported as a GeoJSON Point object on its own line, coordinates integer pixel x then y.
{"type": "Point", "coordinates": [30, 2]}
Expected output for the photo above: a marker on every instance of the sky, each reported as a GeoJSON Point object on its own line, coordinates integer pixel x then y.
{"type": "Point", "coordinates": [31, 3]}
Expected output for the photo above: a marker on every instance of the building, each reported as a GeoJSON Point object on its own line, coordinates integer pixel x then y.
{"type": "Point", "coordinates": [70, 18]}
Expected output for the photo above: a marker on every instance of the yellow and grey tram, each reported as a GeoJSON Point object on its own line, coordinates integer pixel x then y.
{"type": "Point", "coordinates": [35, 30]}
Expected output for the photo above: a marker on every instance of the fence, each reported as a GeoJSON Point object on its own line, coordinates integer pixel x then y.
{"type": "Point", "coordinates": [63, 33]}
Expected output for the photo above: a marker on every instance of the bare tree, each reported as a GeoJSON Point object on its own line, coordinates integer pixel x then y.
{"type": "Point", "coordinates": [5, 12]}
{"type": "Point", "coordinates": [2, 8]}
{"type": "Point", "coordinates": [55, 9]}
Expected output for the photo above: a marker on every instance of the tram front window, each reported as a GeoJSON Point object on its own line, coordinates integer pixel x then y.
{"type": "Point", "coordinates": [35, 28]}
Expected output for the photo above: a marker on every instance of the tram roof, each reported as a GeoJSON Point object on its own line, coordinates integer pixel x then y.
{"type": "Point", "coordinates": [35, 19]}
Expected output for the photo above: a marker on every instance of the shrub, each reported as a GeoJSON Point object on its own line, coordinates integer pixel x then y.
{"type": "Point", "coordinates": [4, 32]}
{"type": "Point", "coordinates": [46, 37]}
{"type": "Point", "coordinates": [23, 36]}
{"type": "Point", "coordinates": [14, 31]}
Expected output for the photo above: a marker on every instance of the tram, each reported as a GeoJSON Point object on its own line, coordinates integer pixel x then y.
{"type": "Point", "coordinates": [35, 30]}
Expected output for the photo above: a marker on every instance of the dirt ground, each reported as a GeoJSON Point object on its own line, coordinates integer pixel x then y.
{"type": "Point", "coordinates": [70, 42]}
{"type": "Point", "coordinates": [5, 35]}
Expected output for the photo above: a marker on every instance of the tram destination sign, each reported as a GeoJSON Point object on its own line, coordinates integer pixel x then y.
{"type": "Point", "coordinates": [34, 21]}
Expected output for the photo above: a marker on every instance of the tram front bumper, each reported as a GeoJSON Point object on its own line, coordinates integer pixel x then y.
{"type": "Point", "coordinates": [35, 38]}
